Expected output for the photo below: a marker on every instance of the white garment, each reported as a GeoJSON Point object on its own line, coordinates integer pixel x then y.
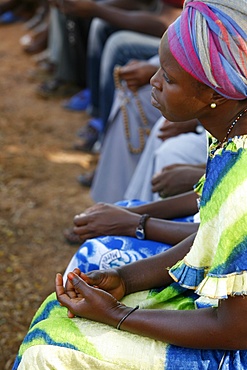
{"type": "Point", "coordinates": [189, 148]}
{"type": "Point", "coordinates": [117, 165]}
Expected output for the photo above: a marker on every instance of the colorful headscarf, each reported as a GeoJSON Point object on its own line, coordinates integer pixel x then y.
{"type": "Point", "coordinates": [209, 41]}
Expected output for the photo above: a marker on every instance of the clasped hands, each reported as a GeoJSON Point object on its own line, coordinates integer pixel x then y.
{"type": "Point", "coordinates": [93, 295]}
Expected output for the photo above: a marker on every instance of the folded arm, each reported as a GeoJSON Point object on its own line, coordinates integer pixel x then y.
{"type": "Point", "coordinates": [106, 219]}
{"type": "Point", "coordinates": [117, 13]}
{"type": "Point", "coordinates": [181, 205]}
{"type": "Point", "coordinates": [210, 328]}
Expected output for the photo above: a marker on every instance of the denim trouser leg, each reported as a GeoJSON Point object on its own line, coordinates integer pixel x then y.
{"type": "Point", "coordinates": [54, 36]}
{"type": "Point", "coordinates": [98, 34]}
{"type": "Point", "coordinates": [120, 48]}
{"type": "Point", "coordinates": [64, 67]}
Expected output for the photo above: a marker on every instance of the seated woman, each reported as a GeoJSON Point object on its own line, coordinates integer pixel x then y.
{"type": "Point", "coordinates": [186, 307]}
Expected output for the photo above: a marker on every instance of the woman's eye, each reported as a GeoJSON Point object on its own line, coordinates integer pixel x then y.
{"type": "Point", "coordinates": [166, 78]}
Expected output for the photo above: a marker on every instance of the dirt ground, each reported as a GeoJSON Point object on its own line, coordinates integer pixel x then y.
{"type": "Point", "coordinates": [39, 194]}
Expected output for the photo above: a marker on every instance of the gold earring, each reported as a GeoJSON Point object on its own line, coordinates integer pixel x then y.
{"type": "Point", "coordinates": [213, 105]}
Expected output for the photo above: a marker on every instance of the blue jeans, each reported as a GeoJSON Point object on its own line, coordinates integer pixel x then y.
{"type": "Point", "coordinates": [108, 47]}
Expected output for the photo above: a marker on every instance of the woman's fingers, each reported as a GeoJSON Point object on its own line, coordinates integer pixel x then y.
{"type": "Point", "coordinates": [81, 219]}
{"type": "Point", "coordinates": [64, 298]}
{"type": "Point", "coordinates": [60, 290]}
{"type": "Point", "coordinates": [69, 288]}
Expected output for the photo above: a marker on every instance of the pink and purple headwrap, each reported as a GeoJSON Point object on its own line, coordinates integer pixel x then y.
{"type": "Point", "coordinates": [209, 41]}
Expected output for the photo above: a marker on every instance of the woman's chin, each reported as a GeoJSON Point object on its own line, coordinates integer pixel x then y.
{"type": "Point", "coordinates": [155, 103]}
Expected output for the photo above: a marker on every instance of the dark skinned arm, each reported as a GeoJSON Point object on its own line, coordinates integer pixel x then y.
{"type": "Point", "coordinates": [144, 21]}
{"type": "Point", "coordinates": [181, 205]}
{"type": "Point", "coordinates": [121, 4]}
{"type": "Point", "coordinates": [107, 219]}
{"type": "Point", "coordinates": [152, 272]}
{"type": "Point", "coordinates": [170, 232]}
{"type": "Point", "coordinates": [224, 327]}
{"type": "Point", "coordinates": [209, 328]}
{"type": "Point", "coordinates": [131, 5]}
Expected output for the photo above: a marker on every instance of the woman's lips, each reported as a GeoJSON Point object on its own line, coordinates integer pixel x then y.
{"type": "Point", "coordinates": [154, 101]}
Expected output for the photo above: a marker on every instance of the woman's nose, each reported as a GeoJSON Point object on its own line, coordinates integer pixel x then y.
{"type": "Point", "coordinates": [155, 80]}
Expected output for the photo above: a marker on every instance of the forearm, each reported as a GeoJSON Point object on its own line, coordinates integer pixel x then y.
{"type": "Point", "coordinates": [164, 231]}
{"type": "Point", "coordinates": [176, 206]}
{"type": "Point", "coordinates": [152, 272]}
{"type": "Point", "coordinates": [169, 232]}
{"type": "Point", "coordinates": [192, 328]}
{"type": "Point", "coordinates": [211, 328]}
{"type": "Point", "coordinates": [127, 4]}
{"type": "Point", "coordinates": [138, 21]}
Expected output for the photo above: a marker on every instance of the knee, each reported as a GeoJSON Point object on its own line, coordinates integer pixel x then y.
{"type": "Point", "coordinates": [97, 34]}
{"type": "Point", "coordinates": [118, 44]}
{"type": "Point", "coordinates": [111, 56]}
{"type": "Point", "coordinates": [97, 26]}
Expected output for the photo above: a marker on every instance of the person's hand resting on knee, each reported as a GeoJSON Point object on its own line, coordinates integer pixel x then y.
{"type": "Point", "coordinates": [176, 179]}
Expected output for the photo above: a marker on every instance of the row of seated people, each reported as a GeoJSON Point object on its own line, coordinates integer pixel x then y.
{"type": "Point", "coordinates": [86, 42]}
{"type": "Point", "coordinates": [145, 290]}
{"type": "Point", "coordinates": [161, 168]}
{"type": "Point", "coordinates": [116, 38]}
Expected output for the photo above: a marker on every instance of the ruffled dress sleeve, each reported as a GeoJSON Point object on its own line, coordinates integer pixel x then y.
{"type": "Point", "coordinates": [216, 265]}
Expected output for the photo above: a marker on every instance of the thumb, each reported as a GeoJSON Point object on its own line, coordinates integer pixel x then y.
{"type": "Point", "coordinates": [79, 284]}
{"type": "Point", "coordinates": [93, 278]}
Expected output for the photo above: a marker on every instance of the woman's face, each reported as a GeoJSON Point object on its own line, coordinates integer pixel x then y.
{"type": "Point", "coordinates": [175, 93]}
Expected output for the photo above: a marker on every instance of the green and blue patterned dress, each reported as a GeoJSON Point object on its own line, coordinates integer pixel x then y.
{"type": "Point", "coordinates": [215, 268]}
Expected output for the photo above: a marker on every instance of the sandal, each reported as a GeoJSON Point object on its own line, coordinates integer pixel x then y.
{"type": "Point", "coordinates": [8, 18]}
{"type": "Point", "coordinates": [86, 179]}
{"type": "Point", "coordinates": [88, 136]}
{"type": "Point", "coordinates": [71, 237]}
{"type": "Point", "coordinates": [55, 88]}
{"type": "Point", "coordinates": [79, 102]}
{"type": "Point", "coordinates": [45, 70]}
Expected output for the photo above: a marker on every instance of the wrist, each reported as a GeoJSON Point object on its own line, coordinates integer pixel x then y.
{"type": "Point", "coordinates": [118, 314]}
{"type": "Point", "coordinates": [126, 315]}
{"type": "Point", "coordinates": [125, 273]}
{"type": "Point", "coordinates": [131, 224]}
{"type": "Point", "coordinates": [115, 315]}
{"type": "Point", "coordinates": [141, 228]}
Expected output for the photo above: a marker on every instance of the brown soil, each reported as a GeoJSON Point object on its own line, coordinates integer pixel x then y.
{"type": "Point", "coordinates": [39, 194]}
